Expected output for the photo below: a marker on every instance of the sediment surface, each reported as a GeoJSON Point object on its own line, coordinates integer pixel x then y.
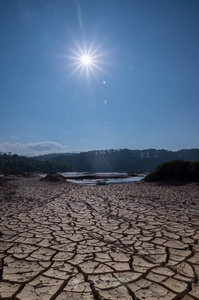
{"type": "Point", "coordinates": [130, 241]}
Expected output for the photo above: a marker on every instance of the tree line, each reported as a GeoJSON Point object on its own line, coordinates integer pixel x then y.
{"type": "Point", "coordinates": [19, 164]}
{"type": "Point", "coordinates": [122, 160]}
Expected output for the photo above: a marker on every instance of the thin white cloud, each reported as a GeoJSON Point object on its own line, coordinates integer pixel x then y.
{"type": "Point", "coordinates": [33, 149]}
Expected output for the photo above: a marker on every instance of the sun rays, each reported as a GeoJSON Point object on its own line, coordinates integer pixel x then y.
{"type": "Point", "coordinates": [86, 60]}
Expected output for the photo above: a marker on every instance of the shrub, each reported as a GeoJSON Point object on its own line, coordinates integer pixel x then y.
{"type": "Point", "coordinates": [175, 170]}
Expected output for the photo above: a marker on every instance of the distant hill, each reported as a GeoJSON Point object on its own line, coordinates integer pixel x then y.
{"type": "Point", "coordinates": [122, 160]}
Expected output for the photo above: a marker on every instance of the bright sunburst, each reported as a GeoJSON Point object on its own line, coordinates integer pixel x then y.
{"type": "Point", "coordinates": [86, 60]}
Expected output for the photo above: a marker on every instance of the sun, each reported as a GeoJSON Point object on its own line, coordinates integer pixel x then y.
{"type": "Point", "coordinates": [86, 60]}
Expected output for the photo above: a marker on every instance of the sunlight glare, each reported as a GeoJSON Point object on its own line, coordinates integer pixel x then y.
{"type": "Point", "coordinates": [86, 59]}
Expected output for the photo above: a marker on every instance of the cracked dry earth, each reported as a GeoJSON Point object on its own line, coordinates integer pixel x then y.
{"type": "Point", "coordinates": [129, 241]}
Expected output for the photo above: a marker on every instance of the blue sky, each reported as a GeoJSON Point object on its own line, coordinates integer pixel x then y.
{"type": "Point", "coordinates": [141, 90]}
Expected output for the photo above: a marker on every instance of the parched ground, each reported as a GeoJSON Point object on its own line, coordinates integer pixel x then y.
{"type": "Point", "coordinates": [129, 241]}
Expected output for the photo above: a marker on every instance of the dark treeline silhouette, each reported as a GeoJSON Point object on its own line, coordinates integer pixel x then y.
{"type": "Point", "coordinates": [175, 171]}
{"type": "Point", "coordinates": [17, 164]}
{"type": "Point", "coordinates": [122, 160]}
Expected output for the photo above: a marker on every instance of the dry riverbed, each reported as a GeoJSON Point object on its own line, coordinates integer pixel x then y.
{"type": "Point", "coordinates": [127, 241]}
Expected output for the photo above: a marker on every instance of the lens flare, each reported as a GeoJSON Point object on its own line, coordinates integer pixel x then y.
{"type": "Point", "coordinates": [86, 60]}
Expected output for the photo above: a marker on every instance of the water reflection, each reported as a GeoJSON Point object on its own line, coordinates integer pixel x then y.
{"type": "Point", "coordinates": [101, 180]}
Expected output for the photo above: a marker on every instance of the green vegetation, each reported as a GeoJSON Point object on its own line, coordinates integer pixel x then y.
{"type": "Point", "coordinates": [175, 171]}
{"type": "Point", "coordinates": [17, 165]}
{"type": "Point", "coordinates": [122, 160]}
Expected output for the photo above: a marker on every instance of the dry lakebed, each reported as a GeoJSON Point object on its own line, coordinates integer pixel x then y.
{"type": "Point", "coordinates": [66, 241]}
